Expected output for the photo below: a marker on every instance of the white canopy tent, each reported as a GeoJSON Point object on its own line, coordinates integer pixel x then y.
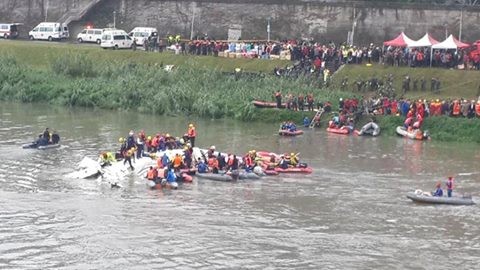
{"type": "Point", "coordinates": [449, 43]}
{"type": "Point", "coordinates": [425, 41]}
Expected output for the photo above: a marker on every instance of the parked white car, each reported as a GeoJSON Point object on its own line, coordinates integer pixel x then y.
{"type": "Point", "coordinates": [9, 30]}
{"type": "Point", "coordinates": [49, 31]}
{"type": "Point", "coordinates": [140, 34]}
{"type": "Point", "coordinates": [116, 39]}
{"type": "Point", "coordinates": [90, 35]}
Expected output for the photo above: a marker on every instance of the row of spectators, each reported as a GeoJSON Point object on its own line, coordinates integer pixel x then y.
{"type": "Point", "coordinates": [386, 106]}
{"type": "Point", "coordinates": [456, 107]}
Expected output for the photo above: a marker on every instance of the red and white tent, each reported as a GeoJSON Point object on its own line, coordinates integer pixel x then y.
{"type": "Point", "coordinates": [425, 41]}
{"type": "Point", "coordinates": [451, 43]}
{"type": "Point", "coordinates": [400, 41]}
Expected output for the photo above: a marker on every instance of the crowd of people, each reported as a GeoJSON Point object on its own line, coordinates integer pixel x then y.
{"type": "Point", "coordinates": [435, 107]}
{"type": "Point", "coordinates": [288, 126]}
{"type": "Point", "coordinates": [170, 169]}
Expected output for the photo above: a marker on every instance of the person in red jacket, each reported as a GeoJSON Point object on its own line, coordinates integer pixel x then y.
{"type": "Point", "coordinates": [450, 186]}
{"type": "Point", "coordinates": [192, 133]}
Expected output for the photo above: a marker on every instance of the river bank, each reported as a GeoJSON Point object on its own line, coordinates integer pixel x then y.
{"type": "Point", "coordinates": [76, 78]}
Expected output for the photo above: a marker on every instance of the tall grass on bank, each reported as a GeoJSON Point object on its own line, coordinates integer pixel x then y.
{"type": "Point", "coordinates": [74, 79]}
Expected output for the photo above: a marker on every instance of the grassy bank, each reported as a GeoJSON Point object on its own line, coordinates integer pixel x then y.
{"type": "Point", "coordinates": [453, 83]}
{"type": "Point", "coordinates": [39, 54]}
{"type": "Point", "coordinates": [76, 79]}
{"type": "Point", "coordinates": [123, 80]}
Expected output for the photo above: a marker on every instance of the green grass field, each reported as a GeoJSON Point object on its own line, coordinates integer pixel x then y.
{"type": "Point", "coordinates": [454, 83]}
{"type": "Point", "coordinates": [39, 54]}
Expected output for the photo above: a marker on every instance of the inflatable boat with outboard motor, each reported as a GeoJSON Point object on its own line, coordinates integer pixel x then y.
{"type": "Point", "coordinates": [424, 197]}
{"type": "Point", "coordinates": [414, 134]}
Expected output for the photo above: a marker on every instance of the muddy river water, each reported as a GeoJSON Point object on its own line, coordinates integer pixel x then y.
{"type": "Point", "coordinates": [351, 213]}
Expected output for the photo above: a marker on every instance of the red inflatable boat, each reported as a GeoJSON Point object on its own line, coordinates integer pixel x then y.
{"type": "Point", "coordinates": [306, 170]}
{"type": "Point", "coordinates": [339, 130]}
{"type": "Point", "coordinates": [286, 132]}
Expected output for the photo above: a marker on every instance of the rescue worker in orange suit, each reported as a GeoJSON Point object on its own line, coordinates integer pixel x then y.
{"type": "Point", "coordinates": [152, 174]}
{"type": "Point", "coordinates": [177, 162]}
{"type": "Point", "coordinates": [192, 133]}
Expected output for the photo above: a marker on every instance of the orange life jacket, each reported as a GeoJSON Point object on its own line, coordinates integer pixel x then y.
{"type": "Point", "coordinates": [211, 161]}
{"type": "Point", "coordinates": [215, 163]}
{"type": "Point", "coordinates": [151, 174]}
{"type": "Point", "coordinates": [177, 161]}
{"type": "Point", "coordinates": [419, 135]}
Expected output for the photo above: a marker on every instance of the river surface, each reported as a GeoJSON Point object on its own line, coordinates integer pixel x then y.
{"type": "Point", "coordinates": [351, 213]}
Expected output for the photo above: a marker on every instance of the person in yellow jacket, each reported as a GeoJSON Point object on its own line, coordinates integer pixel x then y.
{"type": "Point", "coordinates": [106, 159]}
{"type": "Point", "coordinates": [128, 158]}
{"type": "Point", "coordinates": [293, 160]}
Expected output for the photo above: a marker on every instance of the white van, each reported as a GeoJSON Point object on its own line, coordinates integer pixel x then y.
{"type": "Point", "coordinates": [49, 31]}
{"type": "Point", "coordinates": [90, 35]}
{"type": "Point", "coordinates": [140, 34]}
{"type": "Point", "coordinates": [116, 39]}
{"type": "Point", "coordinates": [9, 30]}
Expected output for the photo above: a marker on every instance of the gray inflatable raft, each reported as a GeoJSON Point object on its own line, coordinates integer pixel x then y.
{"type": "Point", "coordinates": [215, 177]}
{"type": "Point", "coordinates": [248, 175]}
{"type": "Point", "coordinates": [370, 128]}
{"type": "Point", "coordinates": [421, 198]}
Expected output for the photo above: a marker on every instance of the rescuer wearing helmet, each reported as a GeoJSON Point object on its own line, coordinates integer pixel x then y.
{"type": "Point", "coordinates": [128, 158]}
{"type": "Point", "coordinates": [123, 148]}
{"type": "Point", "coordinates": [106, 159]}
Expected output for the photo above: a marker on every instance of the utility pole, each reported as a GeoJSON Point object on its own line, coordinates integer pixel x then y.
{"type": "Point", "coordinates": [46, 10]}
{"type": "Point", "coordinates": [193, 20]}
{"type": "Point", "coordinates": [354, 24]}
{"type": "Point", "coordinates": [268, 29]}
{"type": "Point", "coordinates": [461, 24]}
{"type": "Point", "coordinates": [446, 29]}
{"type": "Point", "coordinates": [114, 19]}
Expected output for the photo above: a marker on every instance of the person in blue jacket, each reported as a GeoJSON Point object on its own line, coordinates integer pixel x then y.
{"type": "Point", "coordinates": [165, 160]}
{"type": "Point", "coordinates": [171, 177]}
{"type": "Point", "coordinates": [306, 121]}
{"type": "Point", "coordinates": [202, 166]}
{"type": "Point", "coordinates": [438, 192]}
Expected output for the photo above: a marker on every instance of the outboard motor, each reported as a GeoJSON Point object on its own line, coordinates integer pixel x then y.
{"type": "Point", "coordinates": [426, 134]}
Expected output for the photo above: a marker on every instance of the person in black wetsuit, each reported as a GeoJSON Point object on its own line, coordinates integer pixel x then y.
{"type": "Point", "coordinates": [55, 138]}
{"type": "Point", "coordinates": [45, 138]}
